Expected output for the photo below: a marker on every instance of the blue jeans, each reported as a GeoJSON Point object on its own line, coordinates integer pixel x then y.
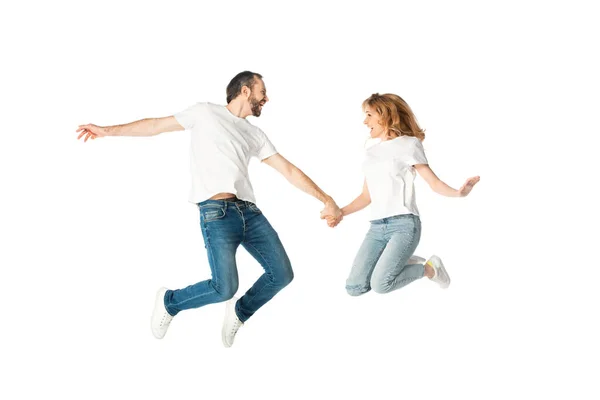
{"type": "Point", "coordinates": [226, 225]}
{"type": "Point", "coordinates": [381, 260]}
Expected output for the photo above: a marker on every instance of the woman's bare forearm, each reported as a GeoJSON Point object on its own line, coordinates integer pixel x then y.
{"type": "Point", "coordinates": [357, 204]}
{"type": "Point", "coordinates": [440, 187]}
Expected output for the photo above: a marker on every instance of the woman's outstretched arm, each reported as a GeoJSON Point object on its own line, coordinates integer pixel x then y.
{"type": "Point", "coordinates": [438, 186]}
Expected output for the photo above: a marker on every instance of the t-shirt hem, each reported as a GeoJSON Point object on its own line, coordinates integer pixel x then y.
{"type": "Point", "coordinates": [388, 215]}
{"type": "Point", "coordinates": [241, 197]}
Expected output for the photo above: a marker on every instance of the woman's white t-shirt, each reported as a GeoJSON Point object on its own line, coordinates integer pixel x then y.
{"type": "Point", "coordinates": [221, 147]}
{"type": "Point", "coordinates": [390, 175]}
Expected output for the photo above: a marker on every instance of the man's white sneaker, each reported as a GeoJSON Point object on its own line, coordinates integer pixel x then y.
{"type": "Point", "coordinates": [440, 276]}
{"type": "Point", "coordinates": [160, 317]}
{"type": "Point", "coordinates": [231, 324]}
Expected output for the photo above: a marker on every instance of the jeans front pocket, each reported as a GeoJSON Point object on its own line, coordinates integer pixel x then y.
{"type": "Point", "coordinates": [212, 213]}
{"type": "Point", "coordinates": [254, 208]}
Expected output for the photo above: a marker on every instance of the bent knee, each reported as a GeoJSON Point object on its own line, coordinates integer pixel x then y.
{"type": "Point", "coordinates": [381, 287]}
{"type": "Point", "coordinates": [285, 278]}
{"type": "Point", "coordinates": [357, 290]}
{"type": "Point", "coordinates": [225, 293]}
{"type": "Point", "coordinates": [289, 277]}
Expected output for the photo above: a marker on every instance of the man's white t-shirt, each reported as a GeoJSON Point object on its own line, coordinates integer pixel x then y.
{"type": "Point", "coordinates": [390, 175]}
{"type": "Point", "coordinates": [221, 147]}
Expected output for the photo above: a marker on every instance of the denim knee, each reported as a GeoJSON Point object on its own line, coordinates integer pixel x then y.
{"type": "Point", "coordinates": [289, 277]}
{"type": "Point", "coordinates": [356, 290]}
{"type": "Point", "coordinates": [284, 276]}
{"type": "Point", "coordinates": [225, 292]}
{"type": "Point", "coordinates": [380, 287]}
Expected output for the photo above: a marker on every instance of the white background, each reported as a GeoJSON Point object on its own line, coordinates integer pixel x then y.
{"type": "Point", "coordinates": [506, 90]}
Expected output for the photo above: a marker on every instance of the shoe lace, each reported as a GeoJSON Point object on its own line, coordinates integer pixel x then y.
{"type": "Point", "coordinates": [165, 321]}
{"type": "Point", "coordinates": [236, 326]}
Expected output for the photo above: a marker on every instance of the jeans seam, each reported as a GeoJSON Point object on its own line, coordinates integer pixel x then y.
{"type": "Point", "coordinates": [270, 271]}
{"type": "Point", "coordinates": [406, 281]}
{"type": "Point", "coordinates": [368, 285]}
{"type": "Point", "coordinates": [210, 255]}
{"type": "Point", "coordinates": [412, 240]}
{"type": "Point", "coordinates": [377, 260]}
{"type": "Point", "coordinates": [243, 224]}
{"type": "Point", "coordinates": [196, 297]}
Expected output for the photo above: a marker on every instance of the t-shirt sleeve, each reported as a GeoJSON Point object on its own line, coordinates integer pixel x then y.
{"type": "Point", "coordinates": [265, 147]}
{"type": "Point", "coordinates": [417, 154]}
{"type": "Point", "coordinates": [188, 117]}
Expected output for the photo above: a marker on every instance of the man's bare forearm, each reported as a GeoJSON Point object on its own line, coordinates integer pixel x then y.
{"type": "Point", "coordinates": [143, 127]}
{"type": "Point", "coordinates": [300, 180]}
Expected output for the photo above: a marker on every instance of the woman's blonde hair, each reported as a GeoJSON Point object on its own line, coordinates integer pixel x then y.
{"type": "Point", "coordinates": [396, 116]}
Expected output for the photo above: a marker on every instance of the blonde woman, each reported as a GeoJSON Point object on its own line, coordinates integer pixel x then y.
{"type": "Point", "coordinates": [385, 260]}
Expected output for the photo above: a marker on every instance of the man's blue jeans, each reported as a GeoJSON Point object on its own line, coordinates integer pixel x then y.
{"type": "Point", "coordinates": [226, 225]}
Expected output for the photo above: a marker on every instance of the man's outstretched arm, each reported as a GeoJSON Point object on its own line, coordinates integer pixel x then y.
{"type": "Point", "coordinates": [143, 127]}
{"type": "Point", "coordinates": [299, 179]}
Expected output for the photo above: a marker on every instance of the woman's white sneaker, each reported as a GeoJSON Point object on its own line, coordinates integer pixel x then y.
{"type": "Point", "coordinates": [160, 317]}
{"type": "Point", "coordinates": [440, 276]}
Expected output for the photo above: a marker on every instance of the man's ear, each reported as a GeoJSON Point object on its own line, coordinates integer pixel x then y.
{"type": "Point", "coordinates": [246, 91]}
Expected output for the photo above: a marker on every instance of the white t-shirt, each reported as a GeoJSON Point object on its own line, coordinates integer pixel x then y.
{"type": "Point", "coordinates": [388, 169]}
{"type": "Point", "coordinates": [221, 147]}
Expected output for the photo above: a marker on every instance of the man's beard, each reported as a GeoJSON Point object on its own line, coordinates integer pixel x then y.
{"type": "Point", "coordinates": [255, 107]}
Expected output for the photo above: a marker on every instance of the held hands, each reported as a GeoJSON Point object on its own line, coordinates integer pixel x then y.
{"type": "Point", "coordinates": [91, 131]}
{"type": "Point", "coordinates": [332, 214]}
{"type": "Point", "coordinates": [468, 186]}
{"type": "Point", "coordinates": [333, 222]}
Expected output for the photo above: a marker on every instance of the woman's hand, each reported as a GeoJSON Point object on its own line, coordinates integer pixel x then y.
{"type": "Point", "coordinates": [468, 186]}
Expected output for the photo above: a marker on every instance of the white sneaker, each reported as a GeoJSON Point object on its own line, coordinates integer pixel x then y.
{"type": "Point", "coordinates": [231, 324]}
{"type": "Point", "coordinates": [440, 276]}
{"type": "Point", "coordinates": [414, 259]}
{"type": "Point", "coordinates": [160, 317]}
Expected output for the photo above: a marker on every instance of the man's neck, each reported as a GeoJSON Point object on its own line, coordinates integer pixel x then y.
{"type": "Point", "coordinates": [236, 109]}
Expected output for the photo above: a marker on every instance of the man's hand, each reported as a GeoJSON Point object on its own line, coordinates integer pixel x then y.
{"type": "Point", "coordinates": [91, 131]}
{"type": "Point", "coordinates": [333, 222]}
